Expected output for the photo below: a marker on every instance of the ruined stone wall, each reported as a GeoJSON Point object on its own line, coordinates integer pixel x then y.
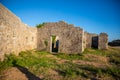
{"type": "Point", "coordinates": [103, 41]}
{"type": "Point", "coordinates": [87, 41]}
{"type": "Point", "coordinates": [14, 35]}
{"type": "Point", "coordinates": [70, 38]}
{"type": "Point", "coordinates": [95, 41]}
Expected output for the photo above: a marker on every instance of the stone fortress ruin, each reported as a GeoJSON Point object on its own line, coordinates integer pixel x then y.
{"type": "Point", "coordinates": [15, 36]}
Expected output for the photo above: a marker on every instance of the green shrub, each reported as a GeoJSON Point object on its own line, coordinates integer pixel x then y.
{"type": "Point", "coordinates": [10, 60]}
{"type": "Point", "coordinates": [46, 43]}
{"type": "Point", "coordinates": [53, 38]}
{"type": "Point", "coordinates": [40, 25]}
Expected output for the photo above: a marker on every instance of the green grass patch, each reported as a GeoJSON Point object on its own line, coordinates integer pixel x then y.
{"type": "Point", "coordinates": [41, 62]}
{"type": "Point", "coordinates": [114, 71]}
{"type": "Point", "coordinates": [68, 69]}
{"type": "Point", "coordinates": [97, 52]}
{"type": "Point", "coordinates": [70, 56]}
{"type": "Point", "coordinates": [115, 58]}
{"type": "Point", "coordinates": [37, 59]}
{"type": "Point", "coordinates": [27, 59]}
{"type": "Point", "coordinates": [9, 61]}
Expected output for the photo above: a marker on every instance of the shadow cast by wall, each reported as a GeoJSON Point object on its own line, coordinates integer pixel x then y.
{"type": "Point", "coordinates": [28, 74]}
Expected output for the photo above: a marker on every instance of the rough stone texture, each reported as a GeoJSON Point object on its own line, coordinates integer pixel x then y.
{"type": "Point", "coordinates": [14, 35]}
{"type": "Point", "coordinates": [87, 41]}
{"type": "Point", "coordinates": [70, 38]}
{"type": "Point", "coordinates": [103, 41]}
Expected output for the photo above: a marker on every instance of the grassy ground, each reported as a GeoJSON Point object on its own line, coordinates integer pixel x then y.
{"type": "Point", "coordinates": [92, 64]}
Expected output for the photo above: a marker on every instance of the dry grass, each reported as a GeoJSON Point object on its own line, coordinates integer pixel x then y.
{"type": "Point", "coordinates": [91, 64]}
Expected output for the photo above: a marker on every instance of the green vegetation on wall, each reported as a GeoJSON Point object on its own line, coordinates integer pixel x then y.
{"type": "Point", "coordinates": [53, 38]}
{"type": "Point", "coordinates": [46, 43]}
{"type": "Point", "coordinates": [40, 25]}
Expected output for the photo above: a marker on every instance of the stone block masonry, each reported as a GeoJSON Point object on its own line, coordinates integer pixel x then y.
{"type": "Point", "coordinates": [15, 36]}
{"type": "Point", "coordinates": [103, 41]}
{"type": "Point", "coordinates": [70, 38]}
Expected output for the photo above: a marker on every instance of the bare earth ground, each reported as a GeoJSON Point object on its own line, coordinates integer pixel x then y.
{"type": "Point", "coordinates": [20, 73]}
{"type": "Point", "coordinates": [13, 74]}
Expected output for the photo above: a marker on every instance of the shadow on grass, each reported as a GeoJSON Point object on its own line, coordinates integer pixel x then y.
{"type": "Point", "coordinates": [28, 74]}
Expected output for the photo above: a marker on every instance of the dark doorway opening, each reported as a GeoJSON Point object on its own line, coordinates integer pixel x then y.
{"type": "Point", "coordinates": [95, 42]}
{"type": "Point", "coordinates": [55, 44]}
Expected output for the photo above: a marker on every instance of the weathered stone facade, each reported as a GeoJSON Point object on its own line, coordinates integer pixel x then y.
{"type": "Point", "coordinates": [87, 40]}
{"type": "Point", "coordinates": [15, 36]}
{"type": "Point", "coordinates": [103, 41]}
{"type": "Point", "coordinates": [70, 38]}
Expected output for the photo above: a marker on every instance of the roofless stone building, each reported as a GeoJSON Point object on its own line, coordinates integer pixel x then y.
{"type": "Point", "coordinates": [16, 36]}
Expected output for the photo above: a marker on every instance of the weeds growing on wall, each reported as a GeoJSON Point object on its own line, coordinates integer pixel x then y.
{"type": "Point", "coordinates": [40, 25]}
{"type": "Point", "coordinates": [53, 38]}
{"type": "Point", "coordinates": [46, 43]}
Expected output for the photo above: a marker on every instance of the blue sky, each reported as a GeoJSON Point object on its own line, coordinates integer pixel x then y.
{"type": "Point", "coordinates": [93, 16]}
